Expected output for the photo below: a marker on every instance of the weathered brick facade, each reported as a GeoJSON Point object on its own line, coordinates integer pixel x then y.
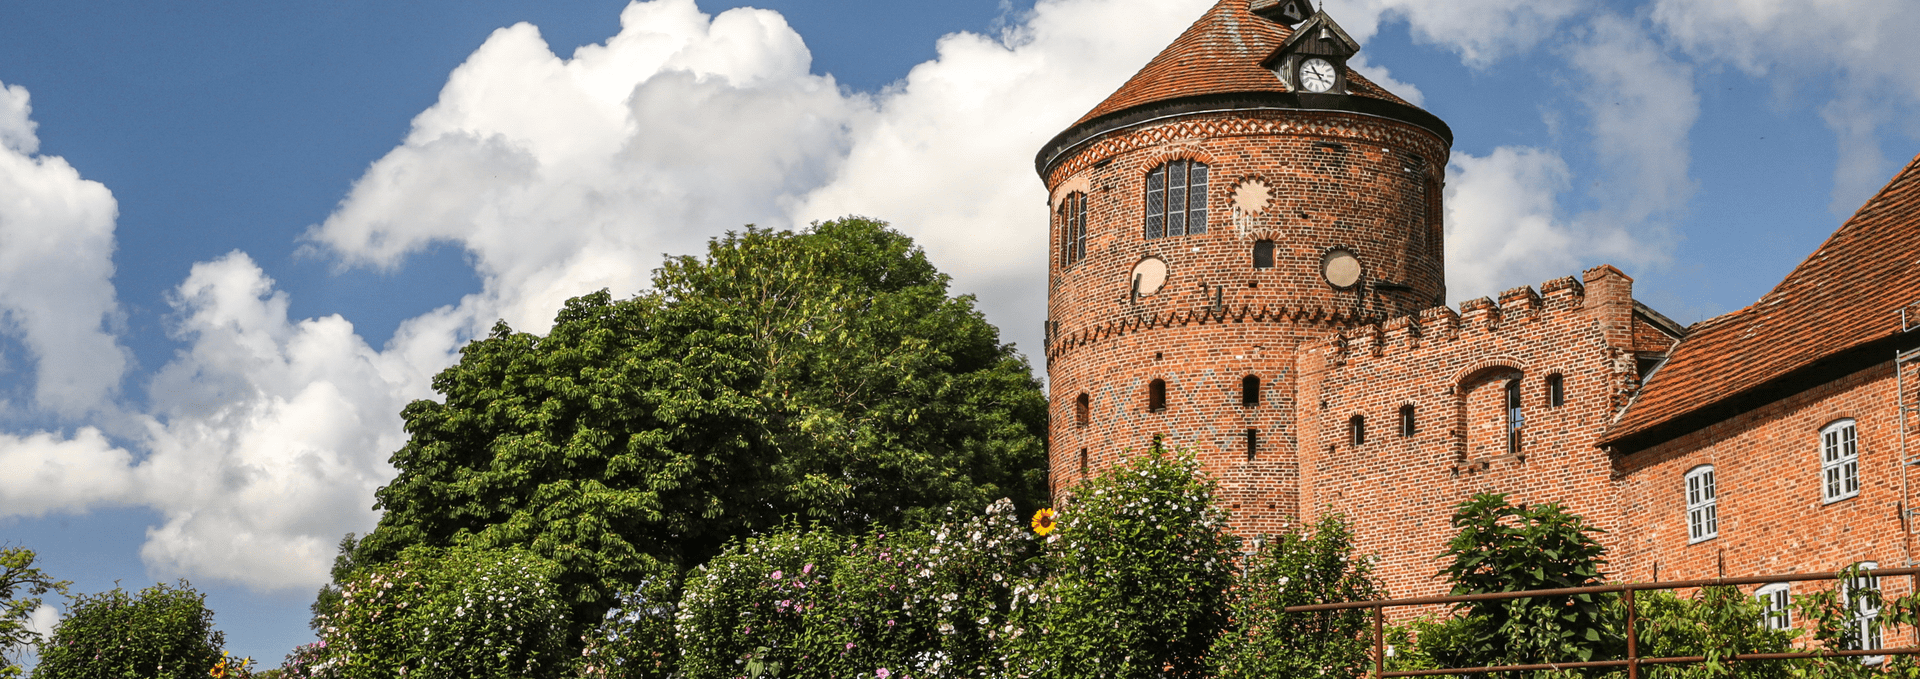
{"type": "Point", "coordinates": [1374, 402]}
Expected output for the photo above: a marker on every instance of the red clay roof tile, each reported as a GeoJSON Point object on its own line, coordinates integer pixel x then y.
{"type": "Point", "coordinates": [1846, 294]}
{"type": "Point", "coordinates": [1219, 53]}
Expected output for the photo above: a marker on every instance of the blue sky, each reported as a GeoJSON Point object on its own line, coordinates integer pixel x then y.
{"type": "Point", "coordinates": [236, 237]}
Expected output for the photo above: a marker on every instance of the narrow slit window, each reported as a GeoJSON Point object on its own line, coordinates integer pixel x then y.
{"type": "Point", "coordinates": [1263, 254]}
{"type": "Point", "coordinates": [1082, 410]}
{"type": "Point", "coordinates": [1515, 418]}
{"type": "Point", "coordinates": [1156, 396]}
{"type": "Point", "coordinates": [1084, 463]}
{"type": "Point", "coordinates": [1556, 391]}
{"type": "Point", "coordinates": [1703, 511]}
{"type": "Point", "coordinates": [1250, 391]}
{"type": "Point", "coordinates": [1357, 430]}
{"type": "Point", "coordinates": [1839, 461]}
{"type": "Point", "coordinates": [1253, 444]}
{"type": "Point", "coordinates": [1177, 199]}
{"type": "Point", "coordinates": [1407, 428]}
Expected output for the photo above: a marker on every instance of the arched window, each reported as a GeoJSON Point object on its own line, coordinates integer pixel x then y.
{"type": "Point", "coordinates": [1839, 461]}
{"type": "Point", "coordinates": [1776, 602]}
{"type": "Point", "coordinates": [1703, 513]}
{"type": "Point", "coordinates": [1156, 396]}
{"type": "Point", "coordinates": [1177, 199]}
{"type": "Point", "coordinates": [1515, 419]}
{"type": "Point", "coordinates": [1082, 410]}
{"type": "Point", "coordinates": [1073, 229]}
{"type": "Point", "coordinates": [1407, 429]}
{"type": "Point", "coordinates": [1250, 391]}
{"type": "Point", "coordinates": [1263, 254]}
{"type": "Point", "coordinates": [1556, 391]}
{"type": "Point", "coordinates": [1357, 430]}
{"type": "Point", "coordinates": [1083, 462]}
{"type": "Point", "coordinates": [1253, 444]}
{"type": "Point", "coordinates": [1865, 611]}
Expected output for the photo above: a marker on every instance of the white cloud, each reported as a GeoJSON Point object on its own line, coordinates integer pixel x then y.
{"type": "Point", "coordinates": [56, 269]}
{"type": "Point", "coordinates": [42, 472]}
{"type": "Point", "coordinates": [1862, 50]}
{"type": "Point", "coordinates": [1480, 31]}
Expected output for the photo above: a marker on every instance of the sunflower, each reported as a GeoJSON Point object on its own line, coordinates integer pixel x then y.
{"type": "Point", "coordinates": [1043, 521]}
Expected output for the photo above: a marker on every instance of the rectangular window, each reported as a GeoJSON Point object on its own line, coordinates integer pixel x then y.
{"type": "Point", "coordinates": [1703, 511]}
{"type": "Point", "coordinates": [1862, 596]}
{"type": "Point", "coordinates": [1080, 228]}
{"type": "Point", "coordinates": [1157, 202]}
{"type": "Point", "coordinates": [1177, 198]}
{"type": "Point", "coordinates": [1263, 254]}
{"type": "Point", "coordinates": [1197, 199]}
{"type": "Point", "coordinates": [1253, 443]}
{"type": "Point", "coordinates": [1776, 606]}
{"type": "Point", "coordinates": [1839, 461]}
{"type": "Point", "coordinates": [1515, 418]}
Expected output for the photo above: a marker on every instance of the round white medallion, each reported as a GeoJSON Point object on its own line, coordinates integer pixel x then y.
{"type": "Point", "coordinates": [1148, 276]}
{"type": "Point", "coordinates": [1341, 268]}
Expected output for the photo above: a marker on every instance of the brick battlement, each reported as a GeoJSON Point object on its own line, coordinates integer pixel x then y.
{"type": "Point", "coordinates": [1563, 301]}
{"type": "Point", "coordinates": [1144, 321]}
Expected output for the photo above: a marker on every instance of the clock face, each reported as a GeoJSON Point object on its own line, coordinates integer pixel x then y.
{"type": "Point", "coordinates": [1316, 75]}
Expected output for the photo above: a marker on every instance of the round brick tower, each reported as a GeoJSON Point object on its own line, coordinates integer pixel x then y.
{"type": "Point", "coordinates": [1242, 193]}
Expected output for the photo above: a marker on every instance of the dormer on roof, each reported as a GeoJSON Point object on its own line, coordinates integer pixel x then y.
{"type": "Point", "coordinates": [1287, 12]}
{"type": "Point", "coordinates": [1314, 58]}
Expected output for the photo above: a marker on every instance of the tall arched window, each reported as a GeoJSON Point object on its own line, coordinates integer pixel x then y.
{"type": "Point", "coordinates": [1250, 391]}
{"type": "Point", "coordinates": [1156, 396]}
{"type": "Point", "coordinates": [1357, 430]}
{"type": "Point", "coordinates": [1839, 461]}
{"type": "Point", "coordinates": [1073, 229]}
{"type": "Point", "coordinates": [1407, 429]}
{"type": "Point", "coordinates": [1082, 410]}
{"type": "Point", "coordinates": [1177, 199]}
{"type": "Point", "coordinates": [1703, 512]}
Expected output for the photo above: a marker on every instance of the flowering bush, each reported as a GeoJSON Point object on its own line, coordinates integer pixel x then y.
{"type": "Point", "coordinates": [163, 632]}
{"type": "Point", "coordinates": [1141, 563]}
{"type": "Point", "coordinates": [1296, 569]}
{"type": "Point", "coordinates": [305, 662]}
{"type": "Point", "coordinates": [636, 640]}
{"type": "Point", "coordinates": [454, 613]}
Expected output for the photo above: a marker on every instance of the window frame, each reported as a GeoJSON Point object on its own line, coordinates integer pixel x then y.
{"type": "Point", "coordinates": [1516, 417]}
{"type": "Point", "coordinates": [1357, 430]}
{"type": "Point", "coordinates": [1556, 390]}
{"type": "Point", "coordinates": [1157, 395]}
{"type": "Point", "coordinates": [1250, 391]}
{"type": "Point", "coordinates": [1839, 445]}
{"type": "Point", "coordinates": [1409, 422]}
{"type": "Point", "coordinates": [1861, 618]}
{"type": "Point", "coordinates": [1175, 181]}
{"type": "Point", "coordinates": [1776, 605]}
{"type": "Point", "coordinates": [1073, 229]}
{"type": "Point", "coordinates": [1701, 493]}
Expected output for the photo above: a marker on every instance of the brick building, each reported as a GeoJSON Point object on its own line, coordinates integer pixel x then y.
{"type": "Point", "coordinates": [1247, 262]}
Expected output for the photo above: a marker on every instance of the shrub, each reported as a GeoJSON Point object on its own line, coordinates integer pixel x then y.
{"type": "Point", "coordinates": [1298, 569]}
{"type": "Point", "coordinates": [163, 632]}
{"type": "Point", "coordinates": [307, 661]}
{"type": "Point", "coordinates": [636, 638]}
{"type": "Point", "coordinates": [453, 613]}
{"type": "Point", "coordinates": [1141, 565]}
{"type": "Point", "coordinates": [1716, 623]}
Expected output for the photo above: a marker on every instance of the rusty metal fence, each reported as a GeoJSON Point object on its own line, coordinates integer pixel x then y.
{"type": "Point", "coordinates": [1633, 662]}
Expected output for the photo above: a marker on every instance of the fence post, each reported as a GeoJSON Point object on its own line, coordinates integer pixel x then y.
{"type": "Point", "coordinates": [1379, 655]}
{"type": "Point", "coordinates": [1633, 651]}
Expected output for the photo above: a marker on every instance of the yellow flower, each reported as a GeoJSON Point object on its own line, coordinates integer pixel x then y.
{"type": "Point", "coordinates": [1043, 521]}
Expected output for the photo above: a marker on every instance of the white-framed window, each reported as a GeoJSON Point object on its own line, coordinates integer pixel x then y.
{"type": "Point", "coordinates": [1703, 511]}
{"type": "Point", "coordinates": [1839, 461]}
{"type": "Point", "coordinates": [1866, 611]}
{"type": "Point", "coordinates": [1776, 602]}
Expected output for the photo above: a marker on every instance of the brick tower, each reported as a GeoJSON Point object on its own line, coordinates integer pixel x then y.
{"type": "Point", "coordinates": [1243, 193]}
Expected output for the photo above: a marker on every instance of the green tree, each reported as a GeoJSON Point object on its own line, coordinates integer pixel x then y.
{"type": "Point", "coordinates": [825, 374]}
{"type": "Point", "coordinates": [165, 632]}
{"type": "Point", "coordinates": [1503, 547]}
{"type": "Point", "coordinates": [21, 586]}
{"type": "Point", "coordinates": [327, 601]}
{"type": "Point", "coordinates": [1297, 569]}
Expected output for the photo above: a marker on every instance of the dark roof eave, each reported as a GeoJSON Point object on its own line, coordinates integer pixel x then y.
{"type": "Point", "coordinates": [1826, 369]}
{"type": "Point", "coordinates": [1056, 149]}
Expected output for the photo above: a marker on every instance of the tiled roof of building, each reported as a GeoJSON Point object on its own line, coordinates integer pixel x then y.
{"type": "Point", "coordinates": [1845, 295]}
{"type": "Point", "coordinates": [1218, 54]}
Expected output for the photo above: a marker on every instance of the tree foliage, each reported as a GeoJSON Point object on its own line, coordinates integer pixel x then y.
{"type": "Point", "coordinates": [1300, 568]}
{"type": "Point", "coordinates": [824, 374]}
{"type": "Point", "coordinates": [164, 632]}
{"type": "Point", "coordinates": [21, 587]}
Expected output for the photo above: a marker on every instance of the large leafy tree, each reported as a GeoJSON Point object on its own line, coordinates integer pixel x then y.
{"type": "Point", "coordinates": [825, 374]}
{"type": "Point", "coordinates": [21, 586]}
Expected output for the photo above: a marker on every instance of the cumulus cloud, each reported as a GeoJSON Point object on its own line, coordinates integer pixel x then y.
{"type": "Point", "coordinates": [1862, 52]}
{"type": "Point", "coordinates": [1508, 222]}
{"type": "Point", "coordinates": [56, 290]}
{"type": "Point", "coordinates": [1480, 31]}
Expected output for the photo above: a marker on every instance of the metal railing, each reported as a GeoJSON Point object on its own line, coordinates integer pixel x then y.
{"type": "Point", "coordinates": [1633, 661]}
